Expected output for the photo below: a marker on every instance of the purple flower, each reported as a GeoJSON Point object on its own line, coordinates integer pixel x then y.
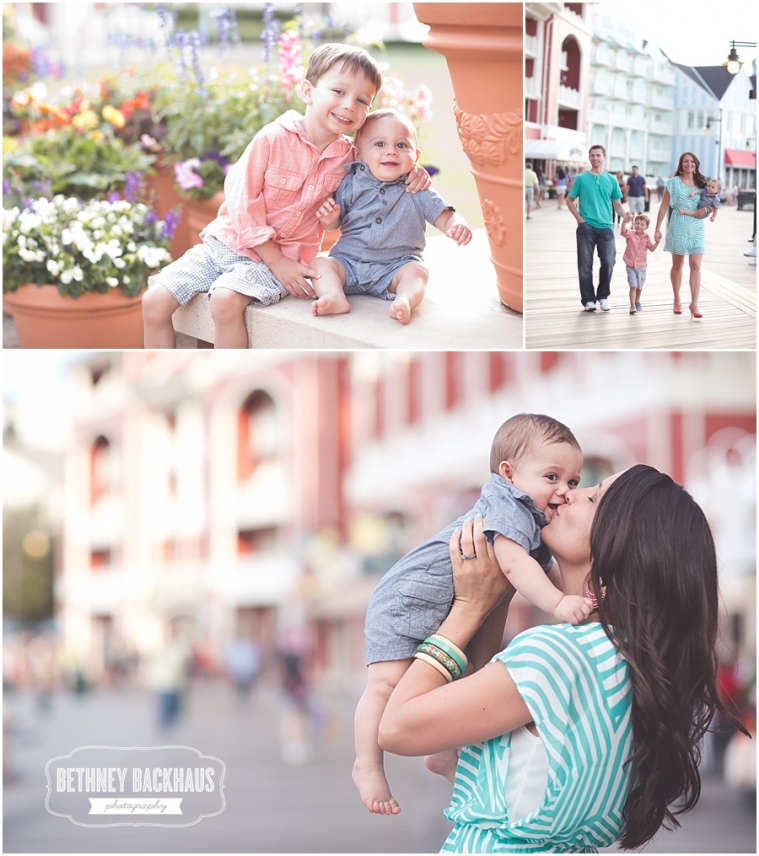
{"type": "Point", "coordinates": [113, 196]}
{"type": "Point", "coordinates": [133, 181]}
{"type": "Point", "coordinates": [171, 221]}
{"type": "Point", "coordinates": [215, 156]}
{"type": "Point", "coordinates": [7, 188]}
{"type": "Point", "coordinates": [270, 34]}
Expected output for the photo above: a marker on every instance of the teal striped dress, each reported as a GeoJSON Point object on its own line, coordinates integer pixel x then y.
{"type": "Point", "coordinates": [685, 235]}
{"type": "Point", "coordinates": [578, 691]}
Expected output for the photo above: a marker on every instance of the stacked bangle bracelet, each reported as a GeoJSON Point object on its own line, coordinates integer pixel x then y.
{"type": "Point", "coordinates": [443, 655]}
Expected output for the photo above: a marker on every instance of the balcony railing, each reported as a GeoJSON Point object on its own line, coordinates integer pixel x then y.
{"type": "Point", "coordinates": [532, 88]}
{"type": "Point", "coordinates": [570, 97]}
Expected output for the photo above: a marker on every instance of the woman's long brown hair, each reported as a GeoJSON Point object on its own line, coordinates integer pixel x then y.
{"type": "Point", "coordinates": [699, 179]}
{"type": "Point", "coordinates": [653, 553]}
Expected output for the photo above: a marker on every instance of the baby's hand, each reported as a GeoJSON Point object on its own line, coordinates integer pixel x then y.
{"type": "Point", "coordinates": [460, 233]}
{"type": "Point", "coordinates": [694, 192]}
{"type": "Point", "coordinates": [573, 608]}
{"type": "Point", "coordinates": [329, 210]}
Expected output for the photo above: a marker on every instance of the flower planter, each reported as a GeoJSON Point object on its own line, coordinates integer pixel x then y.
{"type": "Point", "coordinates": [197, 214]}
{"type": "Point", "coordinates": [483, 42]}
{"type": "Point", "coordinates": [44, 319]}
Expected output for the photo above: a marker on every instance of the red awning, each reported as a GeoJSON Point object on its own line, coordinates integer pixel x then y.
{"type": "Point", "coordinates": [736, 157]}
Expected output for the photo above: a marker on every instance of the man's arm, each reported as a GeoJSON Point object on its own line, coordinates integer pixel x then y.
{"type": "Point", "coordinates": [573, 209]}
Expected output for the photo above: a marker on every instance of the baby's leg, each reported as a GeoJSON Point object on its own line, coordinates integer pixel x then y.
{"type": "Point", "coordinates": [331, 299]}
{"type": "Point", "coordinates": [227, 311]}
{"type": "Point", "coordinates": [408, 286]}
{"type": "Point", "coordinates": [369, 769]}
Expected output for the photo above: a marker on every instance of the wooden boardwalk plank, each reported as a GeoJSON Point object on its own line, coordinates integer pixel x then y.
{"type": "Point", "coordinates": [555, 319]}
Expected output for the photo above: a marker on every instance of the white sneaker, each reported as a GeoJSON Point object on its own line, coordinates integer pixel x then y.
{"type": "Point", "coordinates": [605, 304]}
{"type": "Point", "coordinates": [751, 252]}
{"type": "Point", "coordinates": [633, 310]}
{"type": "Point", "coordinates": [590, 306]}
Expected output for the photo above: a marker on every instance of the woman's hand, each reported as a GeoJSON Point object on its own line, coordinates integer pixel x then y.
{"type": "Point", "coordinates": [479, 583]}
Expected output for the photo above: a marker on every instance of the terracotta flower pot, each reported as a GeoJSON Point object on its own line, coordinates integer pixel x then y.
{"type": "Point", "coordinates": [162, 189]}
{"type": "Point", "coordinates": [44, 319]}
{"type": "Point", "coordinates": [482, 45]}
{"type": "Point", "coordinates": [197, 214]}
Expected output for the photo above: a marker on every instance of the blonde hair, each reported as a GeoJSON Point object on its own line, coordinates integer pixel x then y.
{"type": "Point", "coordinates": [352, 59]}
{"type": "Point", "coordinates": [643, 217]}
{"type": "Point", "coordinates": [384, 113]}
{"type": "Point", "coordinates": [717, 181]}
{"type": "Point", "coordinates": [523, 434]}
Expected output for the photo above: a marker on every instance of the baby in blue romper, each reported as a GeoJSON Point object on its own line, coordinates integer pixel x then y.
{"type": "Point", "coordinates": [379, 251]}
{"type": "Point", "coordinates": [708, 200]}
{"type": "Point", "coordinates": [534, 462]}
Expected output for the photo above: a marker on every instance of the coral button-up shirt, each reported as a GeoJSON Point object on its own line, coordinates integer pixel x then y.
{"type": "Point", "coordinates": [636, 252]}
{"type": "Point", "coordinates": [276, 187]}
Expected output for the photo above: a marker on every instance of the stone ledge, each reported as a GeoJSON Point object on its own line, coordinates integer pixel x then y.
{"type": "Point", "coordinates": [460, 311]}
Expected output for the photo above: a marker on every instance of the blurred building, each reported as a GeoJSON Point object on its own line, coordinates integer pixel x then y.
{"type": "Point", "coordinates": [716, 120]}
{"type": "Point", "coordinates": [257, 494]}
{"type": "Point", "coordinates": [632, 96]}
{"type": "Point", "coordinates": [557, 49]}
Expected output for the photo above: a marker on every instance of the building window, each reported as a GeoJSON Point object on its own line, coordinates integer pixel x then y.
{"type": "Point", "coordinates": [251, 541]}
{"type": "Point", "coordinates": [100, 469]}
{"type": "Point", "coordinates": [100, 559]}
{"type": "Point", "coordinates": [691, 119]}
{"type": "Point", "coordinates": [257, 433]}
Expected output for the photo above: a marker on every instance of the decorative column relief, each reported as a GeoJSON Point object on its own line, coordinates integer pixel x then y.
{"type": "Point", "coordinates": [489, 140]}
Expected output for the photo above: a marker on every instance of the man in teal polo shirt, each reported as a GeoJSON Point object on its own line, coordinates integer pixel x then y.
{"type": "Point", "coordinates": [598, 191]}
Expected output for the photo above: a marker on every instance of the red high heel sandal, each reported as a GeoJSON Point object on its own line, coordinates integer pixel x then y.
{"type": "Point", "coordinates": [677, 311]}
{"type": "Point", "coordinates": [696, 316]}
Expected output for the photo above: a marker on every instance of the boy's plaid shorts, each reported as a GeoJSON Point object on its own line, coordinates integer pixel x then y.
{"type": "Point", "coordinates": [212, 265]}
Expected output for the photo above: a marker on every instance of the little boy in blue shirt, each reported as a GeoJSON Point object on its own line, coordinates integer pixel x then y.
{"type": "Point", "coordinates": [382, 229]}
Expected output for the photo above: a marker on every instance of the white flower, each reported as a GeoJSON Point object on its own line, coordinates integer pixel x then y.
{"type": "Point", "coordinates": [53, 267]}
{"type": "Point", "coordinates": [119, 263]}
{"type": "Point", "coordinates": [66, 277]}
{"type": "Point", "coordinates": [77, 273]}
{"type": "Point", "coordinates": [27, 255]}
{"type": "Point", "coordinates": [112, 281]}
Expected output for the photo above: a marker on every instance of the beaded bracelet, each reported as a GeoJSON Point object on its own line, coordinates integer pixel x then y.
{"type": "Point", "coordinates": [450, 649]}
{"type": "Point", "coordinates": [442, 657]}
{"type": "Point", "coordinates": [426, 658]}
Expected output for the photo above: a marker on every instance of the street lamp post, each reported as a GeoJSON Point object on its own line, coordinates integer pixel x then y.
{"type": "Point", "coordinates": [733, 63]}
{"type": "Point", "coordinates": [718, 120]}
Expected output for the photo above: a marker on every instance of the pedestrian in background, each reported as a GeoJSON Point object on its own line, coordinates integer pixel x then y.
{"type": "Point", "coordinates": [637, 192]}
{"type": "Point", "coordinates": [168, 673]}
{"type": "Point", "coordinates": [530, 187]}
{"type": "Point", "coordinates": [562, 182]}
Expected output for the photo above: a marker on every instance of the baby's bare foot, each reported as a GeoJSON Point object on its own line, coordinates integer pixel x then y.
{"type": "Point", "coordinates": [330, 304]}
{"type": "Point", "coordinates": [401, 310]}
{"type": "Point", "coordinates": [443, 763]}
{"type": "Point", "coordinates": [374, 790]}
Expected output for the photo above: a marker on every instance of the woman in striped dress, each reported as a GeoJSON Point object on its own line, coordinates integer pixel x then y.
{"type": "Point", "coordinates": [685, 235]}
{"type": "Point", "coordinates": [576, 736]}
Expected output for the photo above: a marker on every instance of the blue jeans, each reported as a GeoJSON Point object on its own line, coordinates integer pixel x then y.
{"type": "Point", "coordinates": [588, 239]}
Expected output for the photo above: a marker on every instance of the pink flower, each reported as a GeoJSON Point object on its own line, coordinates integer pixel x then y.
{"type": "Point", "coordinates": [290, 59]}
{"type": "Point", "coordinates": [186, 178]}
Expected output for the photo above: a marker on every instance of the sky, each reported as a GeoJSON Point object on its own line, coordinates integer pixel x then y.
{"type": "Point", "coordinates": [33, 382]}
{"type": "Point", "coordinates": [694, 33]}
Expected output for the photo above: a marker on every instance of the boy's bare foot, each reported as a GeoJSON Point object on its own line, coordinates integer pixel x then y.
{"type": "Point", "coordinates": [374, 790]}
{"type": "Point", "coordinates": [443, 763]}
{"type": "Point", "coordinates": [330, 304]}
{"type": "Point", "coordinates": [401, 310]}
